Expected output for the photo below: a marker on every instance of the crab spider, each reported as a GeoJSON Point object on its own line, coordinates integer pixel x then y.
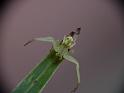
{"type": "Point", "coordinates": [62, 48]}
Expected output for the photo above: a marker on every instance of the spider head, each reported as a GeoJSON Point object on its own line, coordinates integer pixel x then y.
{"type": "Point", "coordinates": [68, 41]}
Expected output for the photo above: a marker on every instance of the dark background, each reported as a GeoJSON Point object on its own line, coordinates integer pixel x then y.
{"type": "Point", "coordinates": [100, 49]}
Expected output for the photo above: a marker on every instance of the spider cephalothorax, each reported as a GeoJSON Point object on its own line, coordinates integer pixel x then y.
{"type": "Point", "coordinates": [68, 41]}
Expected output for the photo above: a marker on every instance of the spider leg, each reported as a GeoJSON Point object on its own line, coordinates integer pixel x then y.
{"type": "Point", "coordinates": [73, 60]}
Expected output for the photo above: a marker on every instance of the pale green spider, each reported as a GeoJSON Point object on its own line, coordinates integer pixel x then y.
{"type": "Point", "coordinates": [62, 49]}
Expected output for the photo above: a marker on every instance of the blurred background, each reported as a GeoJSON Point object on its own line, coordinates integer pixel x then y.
{"type": "Point", "coordinates": [99, 50]}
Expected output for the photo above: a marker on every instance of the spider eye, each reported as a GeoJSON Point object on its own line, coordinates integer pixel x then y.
{"type": "Point", "coordinates": [68, 38]}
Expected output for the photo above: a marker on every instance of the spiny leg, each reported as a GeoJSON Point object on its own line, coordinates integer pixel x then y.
{"type": "Point", "coordinates": [73, 60]}
{"type": "Point", "coordinates": [45, 39]}
{"type": "Point", "coordinates": [78, 77]}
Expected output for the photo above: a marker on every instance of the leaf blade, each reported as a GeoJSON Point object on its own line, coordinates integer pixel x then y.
{"type": "Point", "coordinates": [39, 77]}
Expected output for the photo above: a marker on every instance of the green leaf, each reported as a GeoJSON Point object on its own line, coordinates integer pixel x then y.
{"type": "Point", "coordinates": [37, 79]}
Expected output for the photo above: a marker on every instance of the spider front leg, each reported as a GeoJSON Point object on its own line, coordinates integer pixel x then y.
{"type": "Point", "coordinates": [73, 60]}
